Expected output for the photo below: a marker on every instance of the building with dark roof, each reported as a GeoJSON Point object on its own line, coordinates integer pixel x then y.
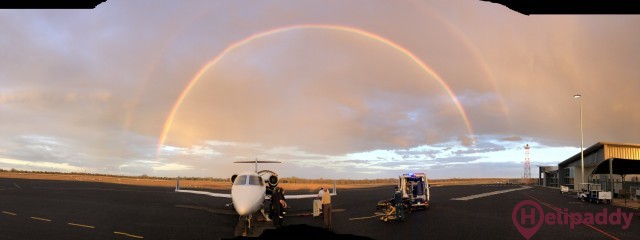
{"type": "Point", "coordinates": [606, 163]}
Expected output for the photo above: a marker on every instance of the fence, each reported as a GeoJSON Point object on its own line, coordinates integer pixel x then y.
{"type": "Point", "coordinates": [620, 189]}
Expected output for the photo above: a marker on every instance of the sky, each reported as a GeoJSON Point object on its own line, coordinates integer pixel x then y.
{"type": "Point", "coordinates": [332, 89]}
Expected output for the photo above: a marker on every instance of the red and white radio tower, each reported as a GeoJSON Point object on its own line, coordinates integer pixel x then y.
{"type": "Point", "coordinates": [527, 165]}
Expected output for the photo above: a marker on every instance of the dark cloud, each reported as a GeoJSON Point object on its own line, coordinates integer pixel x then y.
{"type": "Point", "coordinates": [512, 139]}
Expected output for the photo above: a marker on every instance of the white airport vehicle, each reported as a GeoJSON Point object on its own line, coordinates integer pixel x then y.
{"type": "Point", "coordinates": [593, 193]}
{"type": "Point", "coordinates": [415, 195]}
{"type": "Point", "coordinates": [635, 193]}
{"type": "Point", "coordinates": [415, 188]}
{"type": "Point", "coordinates": [604, 197]}
{"type": "Point", "coordinates": [250, 190]}
{"type": "Point", "coordinates": [584, 189]}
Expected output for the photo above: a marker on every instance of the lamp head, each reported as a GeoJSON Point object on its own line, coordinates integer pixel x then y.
{"type": "Point", "coordinates": [577, 96]}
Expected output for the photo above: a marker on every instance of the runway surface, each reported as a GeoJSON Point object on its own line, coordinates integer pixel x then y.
{"type": "Point", "coordinates": [46, 209]}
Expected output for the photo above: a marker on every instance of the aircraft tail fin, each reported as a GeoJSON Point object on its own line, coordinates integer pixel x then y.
{"type": "Point", "coordinates": [259, 161]}
{"type": "Point", "coordinates": [256, 162]}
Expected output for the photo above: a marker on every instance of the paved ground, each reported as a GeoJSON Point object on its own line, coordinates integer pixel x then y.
{"type": "Point", "coordinates": [105, 211]}
{"type": "Point", "coordinates": [44, 209]}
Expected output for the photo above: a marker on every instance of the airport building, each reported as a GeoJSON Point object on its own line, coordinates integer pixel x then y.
{"type": "Point", "coordinates": [612, 165]}
{"type": "Point", "coordinates": [548, 176]}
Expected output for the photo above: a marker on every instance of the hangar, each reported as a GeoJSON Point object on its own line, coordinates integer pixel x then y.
{"type": "Point", "coordinates": [606, 163]}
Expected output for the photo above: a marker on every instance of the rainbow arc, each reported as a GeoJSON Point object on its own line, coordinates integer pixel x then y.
{"type": "Point", "coordinates": [185, 92]}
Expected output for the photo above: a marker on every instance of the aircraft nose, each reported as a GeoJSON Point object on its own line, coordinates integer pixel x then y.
{"type": "Point", "coordinates": [242, 209]}
{"type": "Point", "coordinates": [243, 206]}
{"type": "Point", "coordinates": [244, 202]}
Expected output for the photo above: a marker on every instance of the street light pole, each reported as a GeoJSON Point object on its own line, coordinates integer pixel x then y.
{"type": "Point", "coordinates": [581, 138]}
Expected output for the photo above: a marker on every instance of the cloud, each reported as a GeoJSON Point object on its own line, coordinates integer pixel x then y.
{"type": "Point", "coordinates": [41, 165]}
{"type": "Point", "coordinates": [172, 167]}
{"type": "Point", "coordinates": [151, 166]}
{"type": "Point", "coordinates": [512, 139]}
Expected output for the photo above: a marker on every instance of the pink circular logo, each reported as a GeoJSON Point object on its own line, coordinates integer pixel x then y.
{"type": "Point", "coordinates": [528, 216]}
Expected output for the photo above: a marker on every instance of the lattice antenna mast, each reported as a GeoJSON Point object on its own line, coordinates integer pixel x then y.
{"type": "Point", "coordinates": [527, 164]}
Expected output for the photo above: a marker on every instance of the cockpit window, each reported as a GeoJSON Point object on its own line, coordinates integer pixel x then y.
{"type": "Point", "coordinates": [241, 180]}
{"type": "Point", "coordinates": [255, 180]}
{"type": "Point", "coordinates": [249, 180]}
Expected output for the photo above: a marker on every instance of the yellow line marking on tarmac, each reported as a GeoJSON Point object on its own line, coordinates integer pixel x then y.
{"type": "Point", "coordinates": [81, 225]}
{"type": "Point", "coordinates": [41, 219]}
{"type": "Point", "coordinates": [9, 213]}
{"type": "Point", "coordinates": [102, 189]}
{"type": "Point", "coordinates": [128, 235]}
{"type": "Point", "coordinates": [359, 218]}
{"type": "Point", "coordinates": [467, 198]}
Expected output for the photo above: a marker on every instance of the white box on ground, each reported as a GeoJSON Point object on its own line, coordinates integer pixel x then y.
{"type": "Point", "coordinates": [604, 195]}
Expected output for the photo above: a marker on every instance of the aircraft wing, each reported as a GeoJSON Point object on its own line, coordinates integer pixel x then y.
{"type": "Point", "coordinates": [287, 196]}
{"type": "Point", "coordinates": [222, 195]}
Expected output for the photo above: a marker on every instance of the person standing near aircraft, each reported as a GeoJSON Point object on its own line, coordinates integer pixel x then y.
{"type": "Point", "coordinates": [326, 208]}
{"type": "Point", "coordinates": [397, 201]}
{"type": "Point", "coordinates": [283, 206]}
{"type": "Point", "coordinates": [276, 209]}
{"type": "Point", "coordinates": [317, 203]}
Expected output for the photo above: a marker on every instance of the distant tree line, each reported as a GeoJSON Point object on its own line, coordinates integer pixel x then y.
{"type": "Point", "coordinates": [143, 176]}
{"type": "Point", "coordinates": [464, 179]}
{"type": "Point", "coordinates": [282, 180]}
{"type": "Point", "coordinates": [339, 181]}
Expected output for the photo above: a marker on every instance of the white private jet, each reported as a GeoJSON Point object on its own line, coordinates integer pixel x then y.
{"type": "Point", "coordinates": [250, 190]}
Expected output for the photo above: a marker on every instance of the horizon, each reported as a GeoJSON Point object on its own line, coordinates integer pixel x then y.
{"type": "Point", "coordinates": [228, 178]}
{"type": "Point", "coordinates": [451, 89]}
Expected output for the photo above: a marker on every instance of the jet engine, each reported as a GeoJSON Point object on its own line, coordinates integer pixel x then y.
{"type": "Point", "coordinates": [233, 178]}
{"type": "Point", "coordinates": [270, 177]}
{"type": "Point", "coordinates": [273, 181]}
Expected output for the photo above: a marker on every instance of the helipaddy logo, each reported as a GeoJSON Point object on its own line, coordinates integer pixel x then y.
{"type": "Point", "coordinates": [528, 217]}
